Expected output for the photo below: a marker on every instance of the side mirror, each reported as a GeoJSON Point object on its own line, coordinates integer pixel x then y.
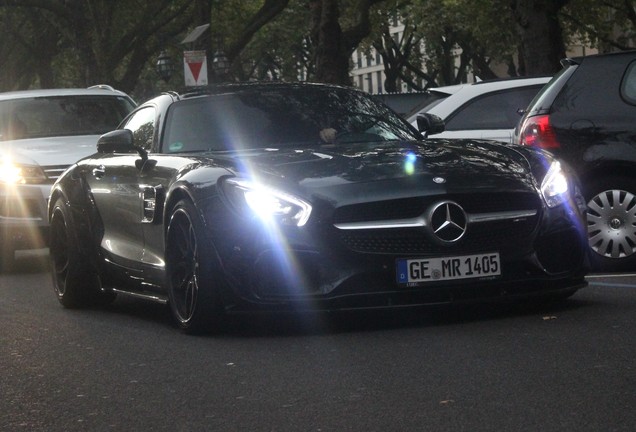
{"type": "Point", "coordinates": [430, 124]}
{"type": "Point", "coordinates": [117, 141]}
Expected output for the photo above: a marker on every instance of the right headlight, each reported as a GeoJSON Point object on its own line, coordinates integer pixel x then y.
{"type": "Point", "coordinates": [554, 186]}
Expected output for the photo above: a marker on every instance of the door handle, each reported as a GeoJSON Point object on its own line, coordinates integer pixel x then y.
{"type": "Point", "coordinates": [99, 171]}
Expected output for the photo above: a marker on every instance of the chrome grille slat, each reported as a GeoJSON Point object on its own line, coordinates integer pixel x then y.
{"type": "Point", "coordinates": [53, 172]}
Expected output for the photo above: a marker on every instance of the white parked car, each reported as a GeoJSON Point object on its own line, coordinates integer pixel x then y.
{"type": "Point", "coordinates": [43, 132]}
{"type": "Point", "coordinates": [482, 110]}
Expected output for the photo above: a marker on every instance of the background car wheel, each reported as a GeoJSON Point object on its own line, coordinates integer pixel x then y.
{"type": "Point", "coordinates": [75, 282]}
{"type": "Point", "coordinates": [611, 224]}
{"type": "Point", "coordinates": [194, 299]}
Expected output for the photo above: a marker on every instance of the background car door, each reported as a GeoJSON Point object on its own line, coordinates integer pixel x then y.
{"type": "Point", "coordinates": [115, 187]}
{"type": "Point", "coordinates": [491, 116]}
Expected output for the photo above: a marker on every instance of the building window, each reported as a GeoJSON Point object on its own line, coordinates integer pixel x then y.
{"type": "Point", "coordinates": [379, 77]}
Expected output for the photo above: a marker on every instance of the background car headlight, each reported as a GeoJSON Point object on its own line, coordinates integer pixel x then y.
{"type": "Point", "coordinates": [554, 187]}
{"type": "Point", "coordinates": [267, 203]}
{"type": "Point", "coordinates": [12, 173]}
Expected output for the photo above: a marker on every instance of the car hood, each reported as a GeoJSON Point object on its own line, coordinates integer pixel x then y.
{"type": "Point", "coordinates": [49, 151]}
{"type": "Point", "coordinates": [390, 170]}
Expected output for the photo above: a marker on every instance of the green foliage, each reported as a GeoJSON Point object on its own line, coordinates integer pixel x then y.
{"type": "Point", "coordinates": [607, 26]}
{"type": "Point", "coordinates": [54, 43]}
{"type": "Point", "coordinates": [280, 50]}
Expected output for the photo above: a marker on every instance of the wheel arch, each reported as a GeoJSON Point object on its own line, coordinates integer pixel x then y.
{"type": "Point", "coordinates": [174, 196]}
{"type": "Point", "coordinates": [592, 176]}
{"type": "Point", "coordinates": [83, 215]}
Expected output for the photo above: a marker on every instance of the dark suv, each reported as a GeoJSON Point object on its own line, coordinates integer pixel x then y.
{"type": "Point", "coordinates": [587, 115]}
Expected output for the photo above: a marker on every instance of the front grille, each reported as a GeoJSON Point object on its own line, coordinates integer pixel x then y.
{"type": "Point", "coordinates": [501, 235]}
{"type": "Point", "coordinates": [53, 172]}
{"type": "Point", "coordinates": [412, 207]}
{"type": "Point", "coordinates": [498, 235]}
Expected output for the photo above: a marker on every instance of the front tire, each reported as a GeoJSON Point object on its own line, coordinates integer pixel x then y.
{"type": "Point", "coordinates": [75, 281]}
{"type": "Point", "coordinates": [193, 294]}
{"type": "Point", "coordinates": [611, 224]}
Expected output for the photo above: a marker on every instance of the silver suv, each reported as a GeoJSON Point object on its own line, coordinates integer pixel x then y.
{"type": "Point", "coordinates": [43, 132]}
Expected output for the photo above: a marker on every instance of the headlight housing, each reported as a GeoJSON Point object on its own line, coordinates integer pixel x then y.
{"type": "Point", "coordinates": [554, 186]}
{"type": "Point", "coordinates": [14, 173]}
{"type": "Point", "coordinates": [256, 200]}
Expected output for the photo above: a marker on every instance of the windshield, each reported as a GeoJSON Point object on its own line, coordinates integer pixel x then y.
{"type": "Point", "coordinates": [280, 117]}
{"type": "Point", "coordinates": [61, 116]}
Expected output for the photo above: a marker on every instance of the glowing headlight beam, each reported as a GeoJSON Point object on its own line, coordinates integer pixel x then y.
{"type": "Point", "coordinates": [10, 173]}
{"type": "Point", "coordinates": [268, 203]}
{"type": "Point", "coordinates": [554, 187]}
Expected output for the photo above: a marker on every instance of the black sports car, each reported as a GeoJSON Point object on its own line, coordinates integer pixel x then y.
{"type": "Point", "coordinates": [294, 196]}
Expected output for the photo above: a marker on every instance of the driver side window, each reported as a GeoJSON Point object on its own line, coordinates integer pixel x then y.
{"type": "Point", "coordinates": [142, 125]}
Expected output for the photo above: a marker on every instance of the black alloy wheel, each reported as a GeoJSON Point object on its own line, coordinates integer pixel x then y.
{"type": "Point", "coordinates": [194, 300]}
{"type": "Point", "coordinates": [75, 282]}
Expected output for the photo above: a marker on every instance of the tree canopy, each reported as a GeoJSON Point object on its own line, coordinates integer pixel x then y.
{"type": "Point", "coordinates": [65, 43]}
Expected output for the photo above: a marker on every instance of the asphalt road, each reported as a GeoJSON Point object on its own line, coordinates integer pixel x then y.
{"type": "Point", "coordinates": [567, 367]}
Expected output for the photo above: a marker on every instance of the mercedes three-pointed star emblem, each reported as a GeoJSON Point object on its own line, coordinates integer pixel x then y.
{"type": "Point", "coordinates": [448, 221]}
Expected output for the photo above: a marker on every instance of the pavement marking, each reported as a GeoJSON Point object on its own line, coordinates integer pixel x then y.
{"type": "Point", "coordinates": [613, 285]}
{"type": "Point", "coordinates": [591, 280]}
{"type": "Point", "coordinates": [610, 275]}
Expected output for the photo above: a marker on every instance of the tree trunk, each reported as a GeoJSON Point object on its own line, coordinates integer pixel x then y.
{"type": "Point", "coordinates": [331, 58]}
{"type": "Point", "coordinates": [540, 33]}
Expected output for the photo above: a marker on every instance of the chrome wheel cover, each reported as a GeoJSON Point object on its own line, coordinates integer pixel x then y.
{"type": "Point", "coordinates": [611, 223]}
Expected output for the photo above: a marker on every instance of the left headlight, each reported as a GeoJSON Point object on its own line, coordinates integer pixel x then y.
{"type": "Point", "coordinates": [267, 203]}
{"type": "Point", "coordinates": [554, 187]}
{"type": "Point", "coordinates": [13, 173]}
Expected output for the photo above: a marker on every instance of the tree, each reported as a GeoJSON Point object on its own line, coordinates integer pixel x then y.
{"type": "Point", "coordinates": [608, 26]}
{"type": "Point", "coordinates": [334, 45]}
{"type": "Point", "coordinates": [24, 34]}
{"type": "Point", "coordinates": [264, 47]}
{"type": "Point", "coordinates": [100, 41]}
{"type": "Point", "coordinates": [401, 52]}
{"type": "Point", "coordinates": [116, 41]}
{"type": "Point", "coordinates": [542, 44]}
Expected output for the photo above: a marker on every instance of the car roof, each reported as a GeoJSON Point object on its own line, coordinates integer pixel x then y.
{"type": "Point", "coordinates": [100, 90]}
{"type": "Point", "coordinates": [459, 94]}
{"type": "Point", "coordinates": [447, 90]}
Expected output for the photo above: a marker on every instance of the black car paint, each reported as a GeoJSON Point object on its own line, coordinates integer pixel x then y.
{"type": "Point", "coordinates": [107, 199]}
{"type": "Point", "coordinates": [594, 126]}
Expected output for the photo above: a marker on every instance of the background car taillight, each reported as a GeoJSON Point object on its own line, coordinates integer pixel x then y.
{"type": "Point", "coordinates": [536, 131]}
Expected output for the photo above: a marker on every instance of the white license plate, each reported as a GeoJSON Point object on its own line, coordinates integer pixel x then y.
{"type": "Point", "coordinates": [448, 268]}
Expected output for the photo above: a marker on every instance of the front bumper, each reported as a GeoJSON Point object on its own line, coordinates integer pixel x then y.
{"type": "Point", "coordinates": [305, 277]}
{"type": "Point", "coordinates": [23, 216]}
